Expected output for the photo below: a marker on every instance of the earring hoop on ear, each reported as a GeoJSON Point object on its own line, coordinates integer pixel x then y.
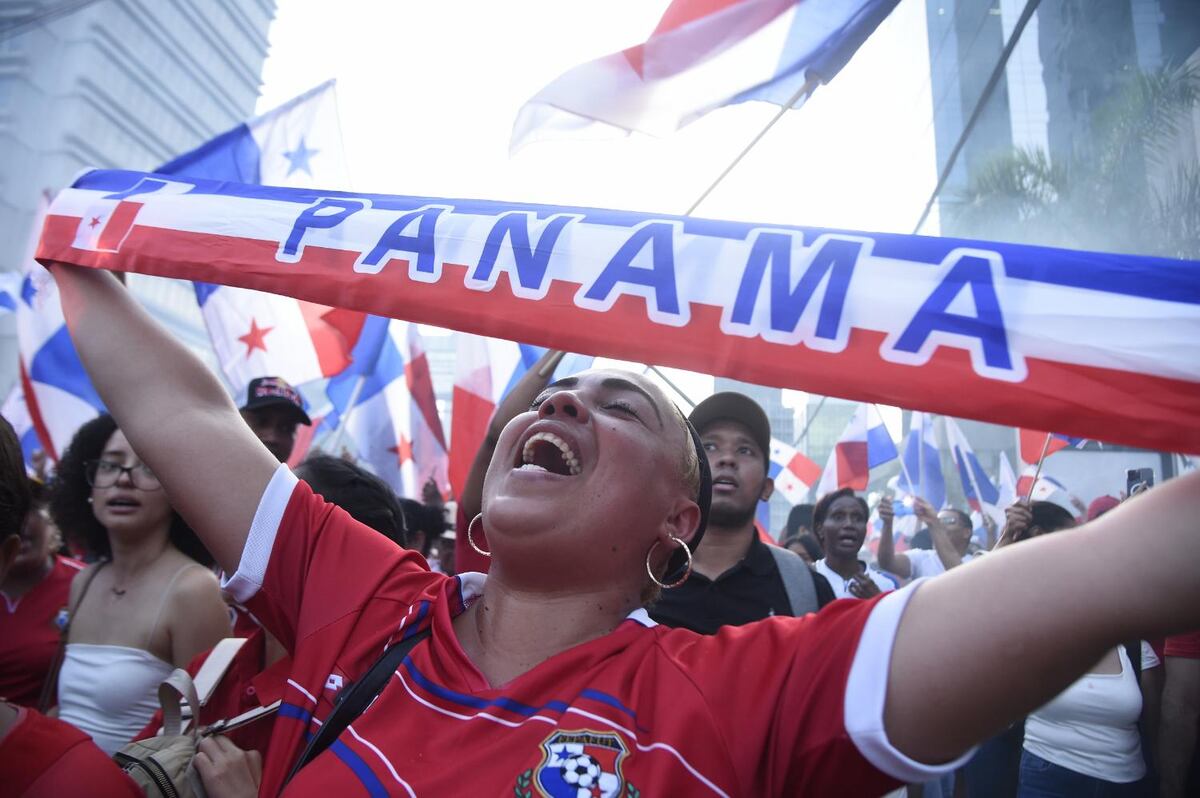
{"type": "Point", "coordinates": [686, 573]}
{"type": "Point", "coordinates": [471, 540]}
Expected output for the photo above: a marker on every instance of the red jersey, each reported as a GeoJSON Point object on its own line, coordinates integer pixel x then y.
{"type": "Point", "coordinates": [783, 706]}
{"type": "Point", "coordinates": [246, 685]}
{"type": "Point", "coordinates": [44, 757]}
{"type": "Point", "coordinates": [1186, 646]}
{"type": "Point", "coordinates": [29, 633]}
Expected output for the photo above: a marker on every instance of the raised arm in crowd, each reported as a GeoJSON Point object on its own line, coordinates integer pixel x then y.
{"type": "Point", "coordinates": [960, 669]}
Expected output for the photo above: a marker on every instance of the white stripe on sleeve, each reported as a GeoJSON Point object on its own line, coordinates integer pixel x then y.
{"type": "Point", "coordinates": [252, 568]}
{"type": "Point", "coordinates": [866, 694]}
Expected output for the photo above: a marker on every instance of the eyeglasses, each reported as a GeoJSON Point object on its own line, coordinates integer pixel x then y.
{"type": "Point", "coordinates": [105, 474]}
{"type": "Point", "coordinates": [949, 520]}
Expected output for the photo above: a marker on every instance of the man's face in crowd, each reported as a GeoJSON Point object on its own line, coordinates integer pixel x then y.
{"type": "Point", "coordinates": [275, 426]}
{"type": "Point", "coordinates": [738, 473]}
{"type": "Point", "coordinates": [958, 529]}
{"type": "Point", "coordinates": [844, 528]}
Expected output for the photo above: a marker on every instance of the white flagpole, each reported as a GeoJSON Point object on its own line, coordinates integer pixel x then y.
{"type": "Point", "coordinates": [921, 457]}
{"type": "Point", "coordinates": [338, 434]}
{"type": "Point", "coordinates": [1038, 471]}
{"type": "Point", "coordinates": [810, 85]}
{"type": "Point", "coordinates": [961, 438]}
{"type": "Point", "coordinates": [903, 467]}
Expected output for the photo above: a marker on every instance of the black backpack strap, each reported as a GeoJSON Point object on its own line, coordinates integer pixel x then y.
{"type": "Point", "coordinates": [1133, 650]}
{"type": "Point", "coordinates": [355, 698]}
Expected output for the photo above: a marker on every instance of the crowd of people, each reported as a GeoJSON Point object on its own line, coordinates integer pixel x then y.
{"type": "Point", "coordinates": [614, 623]}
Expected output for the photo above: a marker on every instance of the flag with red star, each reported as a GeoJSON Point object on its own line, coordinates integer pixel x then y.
{"type": "Point", "coordinates": [386, 405]}
{"type": "Point", "coordinates": [255, 334]}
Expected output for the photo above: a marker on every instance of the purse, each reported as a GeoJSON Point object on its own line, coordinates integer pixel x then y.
{"type": "Point", "coordinates": [163, 766]}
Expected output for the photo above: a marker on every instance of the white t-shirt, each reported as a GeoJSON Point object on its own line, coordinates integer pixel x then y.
{"type": "Point", "coordinates": [841, 585]}
{"type": "Point", "coordinates": [1091, 727]}
{"type": "Point", "coordinates": [926, 562]}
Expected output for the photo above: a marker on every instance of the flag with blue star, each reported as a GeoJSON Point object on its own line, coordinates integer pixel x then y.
{"type": "Point", "coordinates": [299, 157]}
{"type": "Point", "coordinates": [255, 334]}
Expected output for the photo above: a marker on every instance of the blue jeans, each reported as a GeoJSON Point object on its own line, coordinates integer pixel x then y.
{"type": "Point", "coordinates": [1042, 779]}
{"type": "Point", "coordinates": [992, 772]}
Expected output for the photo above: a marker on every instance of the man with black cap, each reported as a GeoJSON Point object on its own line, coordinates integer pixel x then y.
{"type": "Point", "coordinates": [273, 408]}
{"type": "Point", "coordinates": [736, 578]}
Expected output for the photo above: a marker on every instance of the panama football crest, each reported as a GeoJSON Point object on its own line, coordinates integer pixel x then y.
{"type": "Point", "coordinates": [580, 764]}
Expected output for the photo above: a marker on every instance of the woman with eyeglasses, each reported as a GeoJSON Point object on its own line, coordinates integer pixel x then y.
{"type": "Point", "coordinates": [146, 606]}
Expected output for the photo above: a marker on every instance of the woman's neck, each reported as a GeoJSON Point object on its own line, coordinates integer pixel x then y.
{"type": "Point", "coordinates": [130, 558]}
{"type": "Point", "coordinates": [844, 567]}
{"type": "Point", "coordinates": [507, 631]}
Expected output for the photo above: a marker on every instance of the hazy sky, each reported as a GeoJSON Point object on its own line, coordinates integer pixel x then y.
{"type": "Point", "coordinates": [428, 93]}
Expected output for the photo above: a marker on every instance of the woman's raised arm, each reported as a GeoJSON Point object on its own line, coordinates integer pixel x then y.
{"type": "Point", "coordinates": [174, 411]}
{"type": "Point", "coordinates": [982, 646]}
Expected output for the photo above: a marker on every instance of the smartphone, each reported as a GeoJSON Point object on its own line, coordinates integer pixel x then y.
{"type": "Point", "coordinates": [1138, 480]}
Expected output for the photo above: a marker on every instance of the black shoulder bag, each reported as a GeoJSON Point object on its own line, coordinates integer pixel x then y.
{"type": "Point", "coordinates": [353, 700]}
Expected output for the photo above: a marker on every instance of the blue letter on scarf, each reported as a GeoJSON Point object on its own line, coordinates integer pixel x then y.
{"type": "Point", "coordinates": [974, 273]}
{"type": "Point", "coordinates": [835, 257]}
{"type": "Point", "coordinates": [312, 218]}
{"type": "Point", "coordinates": [531, 261]}
{"type": "Point", "coordinates": [659, 277]}
{"type": "Point", "coordinates": [394, 240]}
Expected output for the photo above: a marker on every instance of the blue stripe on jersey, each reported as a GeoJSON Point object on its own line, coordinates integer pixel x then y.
{"type": "Point", "coordinates": [415, 627]}
{"type": "Point", "coordinates": [358, 767]}
{"type": "Point", "coordinates": [461, 604]}
{"type": "Point", "coordinates": [605, 698]}
{"type": "Point", "coordinates": [516, 707]}
{"type": "Point", "coordinates": [292, 711]}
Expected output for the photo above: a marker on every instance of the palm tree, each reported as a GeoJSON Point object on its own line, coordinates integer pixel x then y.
{"type": "Point", "coordinates": [1126, 194]}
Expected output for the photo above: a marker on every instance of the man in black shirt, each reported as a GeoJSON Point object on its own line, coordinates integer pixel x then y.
{"type": "Point", "coordinates": [736, 578]}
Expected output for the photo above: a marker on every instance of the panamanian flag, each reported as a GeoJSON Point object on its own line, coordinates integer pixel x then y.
{"type": "Point", "coordinates": [981, 494]}
{"type": "Point", "coordinates": [255, 334]}
{"type": "Point", "coordinates": [865, 444]}
{"type": "Point", "coordinates": [58, 393]}
{"type": "Point", "coordinates": [923, 462]}
{"type": "Point", "coordinates": [703, 54]}
{"type": "Point", "coordinates": [1032, 441]}
{"type": "Point", "coordinates": [385, 406]}
{"type": "Point", "coordinates": [10, 291]}
{"type": "Point", "coordinates": [17, 414]}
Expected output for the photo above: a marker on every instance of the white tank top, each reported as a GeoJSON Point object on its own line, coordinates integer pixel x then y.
{"type": "Point", "coordinates": [1091, 727]}
{"type": "Point", "coordinates": [110, 692]}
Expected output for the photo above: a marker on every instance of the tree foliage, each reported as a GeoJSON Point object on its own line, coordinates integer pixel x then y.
{"type": "Point", "coordinates": [1126, 192]}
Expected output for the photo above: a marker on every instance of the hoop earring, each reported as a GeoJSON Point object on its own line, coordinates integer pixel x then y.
{"type": "Point", "coordinates": [471, 540]}
{"type": "Point", "coordinates": [687, 572]}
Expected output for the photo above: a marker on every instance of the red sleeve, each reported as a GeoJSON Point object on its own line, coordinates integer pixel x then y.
{"type": "Point", "coordinates": [44, 757]}
{"type": "Point", "coordinates": [308, 564]}
{"type": "Point", "coordinates": [1186, 646]}
{"type": "Point", "coordinates": [803, 708]}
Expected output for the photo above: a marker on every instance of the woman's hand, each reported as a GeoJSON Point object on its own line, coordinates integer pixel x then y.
{"type": "Point", "coordinates": [863, 587]}
{"type": "Point", "coordinates": [226, 770]}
